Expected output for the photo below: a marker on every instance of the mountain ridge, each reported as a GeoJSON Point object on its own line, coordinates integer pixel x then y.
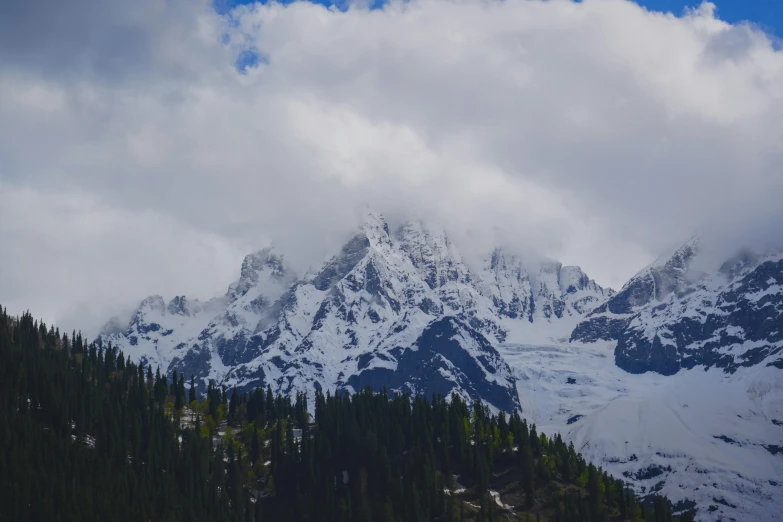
{"type": "Point", "coordinates": [670, 317]}
{"type": "Point", "coordinates": [366, 306]}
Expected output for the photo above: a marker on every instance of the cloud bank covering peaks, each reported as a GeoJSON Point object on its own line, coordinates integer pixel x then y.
{"type": "Point", "coordinates": [137, 158]}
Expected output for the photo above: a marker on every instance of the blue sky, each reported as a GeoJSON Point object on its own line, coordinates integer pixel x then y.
{"type": "Point", "coordinates": [767, 14]}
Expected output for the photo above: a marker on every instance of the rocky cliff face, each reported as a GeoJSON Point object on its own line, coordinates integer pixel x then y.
{"type": "Point", "coordinates": [506, 282]}
{"type": "Point", "coordinates": [727, 325]}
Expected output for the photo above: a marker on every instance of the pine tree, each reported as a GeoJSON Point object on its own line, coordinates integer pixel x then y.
{"type": "Point", "coordinates": [179, 392]}
{"type": "Point", "coordinates": [232, 406]}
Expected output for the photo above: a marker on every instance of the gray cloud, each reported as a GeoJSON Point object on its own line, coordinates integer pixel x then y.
{"type": "Point", "coordinates": [103, 40]}
{"type": "Point", "coordinates": [596, 133]}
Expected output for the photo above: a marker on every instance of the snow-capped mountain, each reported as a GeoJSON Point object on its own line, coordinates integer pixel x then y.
{"type": "Point", "coordinates": [401, 310]}
{"type": "Point", "coordinates": [405, 311]}
{"type": "Point", "coordinates": [651, 284]}
{"type": "Point", "coordinates": [150, 334]}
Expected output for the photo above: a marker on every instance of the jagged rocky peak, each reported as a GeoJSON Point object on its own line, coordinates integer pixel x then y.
{"type": "Point", "coordinates": [432, 253]}
{"type": "Point", "coordinates": [153, 303]}
{"type": "Point", "coordinates": [717, 322]}
{"type": "Point", "coordinates": [742, 261]}
{"type": "Point", "coordinates": [573, 279]}
{"type": "Point", "coordinates": [505, 280]}
{"type": "Point", "coordinates": [501, 262]}
{"type": "Point", "coordinates": [669, 273]}
{"type": "Point", "coordinates": [113, 327]}
{"type": "Point", "coordinates": [181, 305]}
{"type": "Point", "coordinates": [675, 271]}
{"type": "Point", "coordinates": [580, 293]}
{"type": "Point", "coordinates": [373, 234]}
{"type": "Point", "coordinates": [546, 289]}
{"type": "Point", "coordinates": [547, 279]}
{"type": "Point", "coordinates": [260, 268]}
{"type": "Point", "coordinates": [155, 306]}
{"type": "Point", "coordinates": [440, 267]}
{"type": "Point", "coordinates": [147, 316]}
{"type": "Point", "coordinates": [339, 266]}
{"type": "Point", "coordinates": [375, 230]}
{"type": "Point", "coordinates": [561, 291]}
{"type": "Point", "coordinates": [374, 225]}
{"type": "Point", "coordinates": [379, 297]}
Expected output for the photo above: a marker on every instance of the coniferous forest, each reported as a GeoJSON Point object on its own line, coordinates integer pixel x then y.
{"type": "Point", "coordinates": [89, 435]}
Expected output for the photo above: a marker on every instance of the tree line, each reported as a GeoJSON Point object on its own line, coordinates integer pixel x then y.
{"type": "Point", "coordinates": [88, 434]}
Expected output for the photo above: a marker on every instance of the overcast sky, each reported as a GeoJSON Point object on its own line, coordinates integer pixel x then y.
{"type": "Point", "coordinates": [135, 158]}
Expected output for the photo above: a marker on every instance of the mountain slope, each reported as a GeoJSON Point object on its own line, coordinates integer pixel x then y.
{"type": "Point", "coordinates": [700, 438]}
{"type": "Point", "coordinates": [448, 356]}
{"type": "Point", "coordinates": [656, 281]}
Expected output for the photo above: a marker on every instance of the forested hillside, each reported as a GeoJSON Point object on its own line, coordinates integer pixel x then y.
{"type": "Point", "coordinates": [90, 435]}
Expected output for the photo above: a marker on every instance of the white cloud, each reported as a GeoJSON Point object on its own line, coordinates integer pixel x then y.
{"type": "Point", "coordinates": [593, 132]}
{"type": "Point", "coordinates": [72, 258]}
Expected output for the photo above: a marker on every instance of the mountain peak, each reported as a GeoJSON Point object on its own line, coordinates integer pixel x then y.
{"type": "Point", "coordinates": [180, 305]}
{"type": "Point", "coordinates": [432, 253]}
{"type": "Point", "coordinates": [549, 266]}
{"type": "Point", "coordinates": [374, 223]}
{"type": "Point", "coordinates": [739, 262]}
{"type": "Point", "coordinates": [263, 265]}
{"type": "Point", "coordinates": [678, 256]}
{"type": "Point", "coordinates": [666, 275]}
{"type": "Point", "coordinates": [153, 303]}
{"type": "Point", "coordinates": [505, 280]}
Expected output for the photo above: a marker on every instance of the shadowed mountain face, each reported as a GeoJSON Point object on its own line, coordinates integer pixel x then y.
{"type": "Point", "coordinates": [728, 325]}
{"type": "Point", "coordinates": [446, 355]}
{"type": "Point", "coordinates": [667, 318]}
{"type": "Point", "coordinates": [397, 310]}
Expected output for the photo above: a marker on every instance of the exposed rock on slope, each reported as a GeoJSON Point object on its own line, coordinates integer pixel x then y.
{"type": "Point", "coordinates": [667, 318]}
